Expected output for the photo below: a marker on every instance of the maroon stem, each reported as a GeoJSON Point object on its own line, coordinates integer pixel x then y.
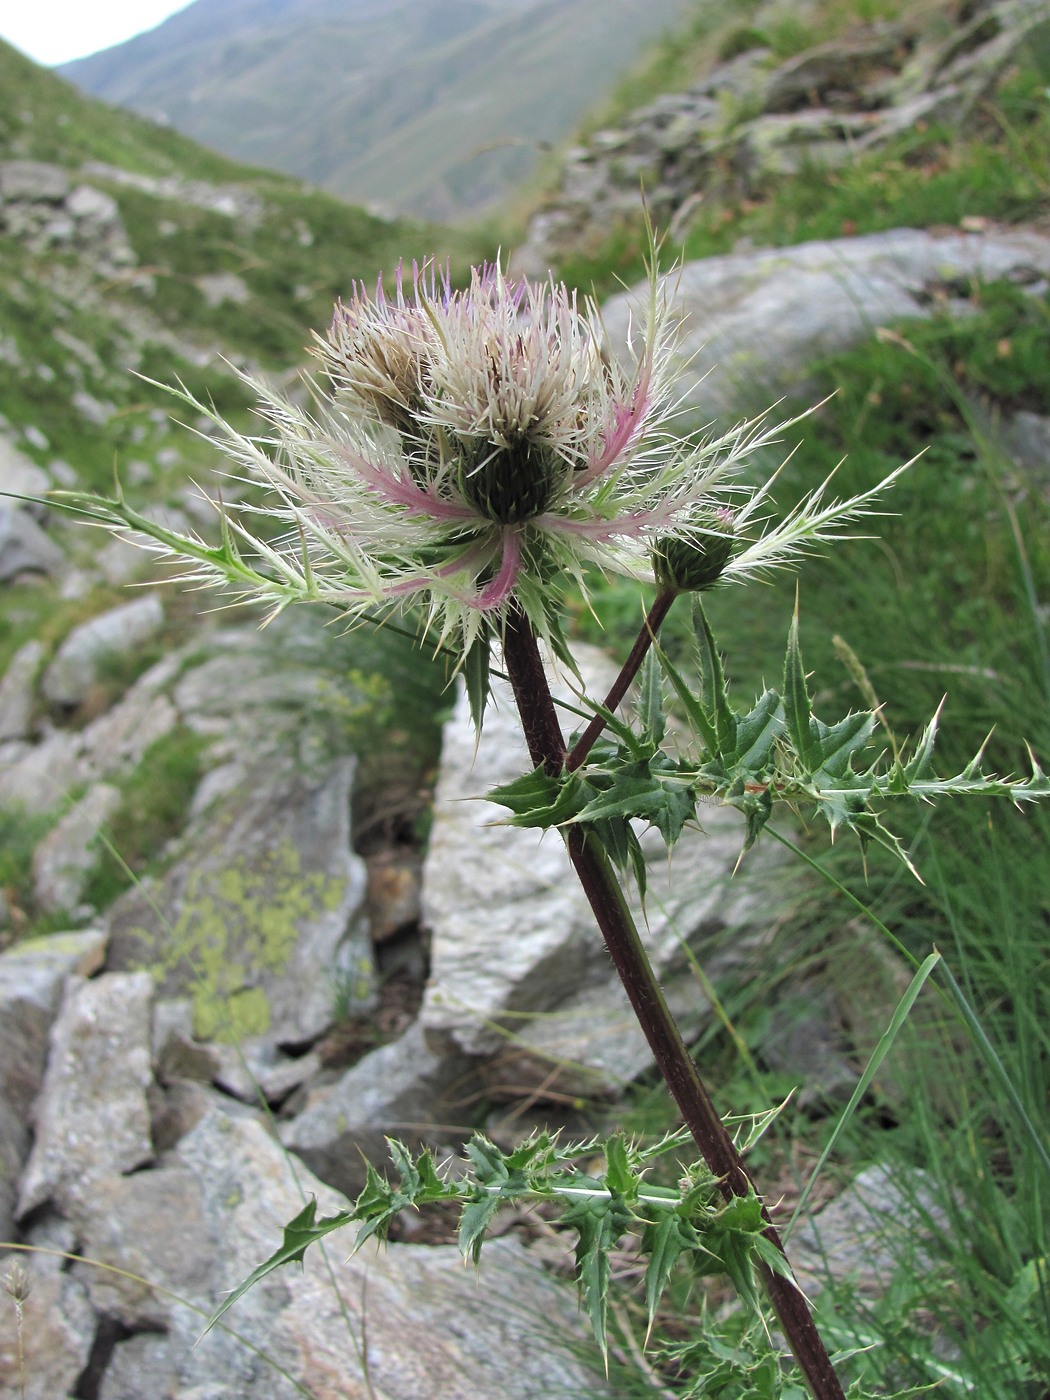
{"type": "Point", "coordinates": [546, 747]}
{"type": "Point", "coordinates": [629, 670]}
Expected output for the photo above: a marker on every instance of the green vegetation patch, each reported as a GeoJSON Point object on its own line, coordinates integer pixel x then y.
{"type": "Point", "coordinates": [154, 802]}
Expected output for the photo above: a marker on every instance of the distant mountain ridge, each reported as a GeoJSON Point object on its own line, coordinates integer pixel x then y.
{"type": "Point", "coordinates": [429, 107]}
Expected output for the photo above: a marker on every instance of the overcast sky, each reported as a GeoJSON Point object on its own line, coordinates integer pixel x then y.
{"type": "Point", "coordinates": [54, 31]}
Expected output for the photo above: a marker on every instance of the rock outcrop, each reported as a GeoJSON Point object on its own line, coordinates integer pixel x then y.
{"type": "Point", "coordinates": [752, 117]}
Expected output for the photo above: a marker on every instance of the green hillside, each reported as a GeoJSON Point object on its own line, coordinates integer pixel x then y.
{"type": "Point", "coordinates": [186, 215]}
{"type": "Point", "coordinates": [205, 262]}
{"type": "Point", "coordinates": [430, 108]}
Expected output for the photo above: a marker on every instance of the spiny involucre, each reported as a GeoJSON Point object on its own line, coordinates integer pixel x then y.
{"type": "Point", "coordinates": [470, 451]}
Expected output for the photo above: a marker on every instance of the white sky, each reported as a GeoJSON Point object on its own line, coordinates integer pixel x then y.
{"type": "Point", "coordinates": [55, 31]}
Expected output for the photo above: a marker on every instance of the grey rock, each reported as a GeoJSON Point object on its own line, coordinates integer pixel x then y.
{"type": "Point", "coordinates": [804, 1040]}
{"type": "Point", "coordinates": [258, 918]}
{"type": "Point", "coordinates": [32, 975]}
{"type": "Point", "coordinates": [755, 321]}
{"type": "Point", "coordinates": [175, 1109]}
{"type": "Point", "coordinates": [879, 1223]}
{"type": "Point", "coordinates": [94, 206]}
{"type": "Point", "coordinates": [92, 1118]}
{"type": "Point", "coordinates": [136, 1222]}
{"type": "Point", "coordinates": [836, 72]}
{"type": "Point", "coordinates": [65, 858]}
{"type": "Point", "coordinates": [238, 1184]}
{"type": "Point", "coordinates": [518, 968]}
{"type": "Point", "coordinates": [24, 547]}
{"type": "Point", "coordinates": [219, 287]}
{"type": "Point", "coordinates": [19, 475]}
{"type": "Point", "coordinates": [37, 777]}
{"type": "Point", "coordinates": [17, 691]}
{"type": "Point", "coordinates": [1027, 437]}
{"type": "Point", "coordinates": [33, 180]}
{"type": "Point", "coordinates": [176, 1053]}
{"type": "Point", "coordinates": [751, 117]}
{"type": "Point", "coordinates": [114, 743]}
{"type": "Point", "coordinates": [111, 634]}
{"type": "Point", "coordinates": [41, 776]}
{"type": "Point", "coordinates": [402, 1090]}
{"type": "Point", "coordinates": [142, 1366]}
{"type": "Point", "coordinates": [260, 1071]}
{"type": "Point", "coordinates": [36, 438]}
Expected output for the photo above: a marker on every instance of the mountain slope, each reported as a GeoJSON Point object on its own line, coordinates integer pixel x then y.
{"type": "Point", "coordinates": [433, 107]}
{"type": "Point", "coordinates": [125, 246]}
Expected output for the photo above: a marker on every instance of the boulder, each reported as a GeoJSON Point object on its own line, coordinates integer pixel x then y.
{"type": "Point", "coordinates": [42, 776]}
{"type": "Point", "coordinates": [19, 475]}
{"type": "Point", "coordinates": [111, 634]}
{"type": "Point", "coordinates": [32, 975]}
{"type": "Point", "coordinates": [519, 973]}
{"type": "Point", "coordinates": [66, 857]}
{"type": "Point", "coordinates": [755, 321]}
{"type": "Point", "coordinates": [32, 181]}
{"type": "Point", "coordinates": [92, 1117]}
{"type": "Point", "coordinates": [258, 921]}
{"type": "Point", "coordinates": [867, 1231]}
{"type": "Point", "coordinates": [17, 690]}
{"type": "Point", "coordinates": [57, 1330]}
{"type": "Point", "coordinates": [24, 547]}
{"type": "Point", "coordinates": [218, 1208]}
{"type": "Point", "coordinates": [402, 1090]}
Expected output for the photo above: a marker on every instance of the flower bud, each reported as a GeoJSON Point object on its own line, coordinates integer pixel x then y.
{"type": "Point", "coordinates": [510, 482]}
{"type": "Point", "coordinates": [691, 563]}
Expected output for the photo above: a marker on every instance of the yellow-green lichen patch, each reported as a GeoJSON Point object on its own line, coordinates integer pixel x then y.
{"type": "Point", "coordinates": [236, 927]}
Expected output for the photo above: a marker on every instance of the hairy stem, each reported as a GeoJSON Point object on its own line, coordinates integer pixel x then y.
{"type": "Point", "coordinates": [659, 610]}
{"type": "Point", "coordinates": [546, 747]}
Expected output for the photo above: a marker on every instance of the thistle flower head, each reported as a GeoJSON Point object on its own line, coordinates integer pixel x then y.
{"type": "Point", "coordinates": [470, 449]}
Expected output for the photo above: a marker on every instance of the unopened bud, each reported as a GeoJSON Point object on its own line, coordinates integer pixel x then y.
{"type": "Point", "coordinates": [510, 483]}
{"type": "Point", "coordinates": [689, 564]}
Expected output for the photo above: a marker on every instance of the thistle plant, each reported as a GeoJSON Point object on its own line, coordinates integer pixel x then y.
{"type": "Point", "coordinates": [469, 456]}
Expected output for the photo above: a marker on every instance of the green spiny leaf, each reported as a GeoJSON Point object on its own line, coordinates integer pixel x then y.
{"type": "Point", "coordinates": [797, 712]}
{"type": "Point", "coordinates": [651, 701]}
{"type": "Point", "coordinates": [490, 1165]}
{"type": "Point", "coordinates": [664, 1242]}
{"type": "Point", "coordinates": [837, 743]}
{"type": "Point", "coordinates": [619, 1177]}
{"type": "Point", "coordinates": [599, 1224]}
{"type": "Point", "coordinates": [696, 715]}
{"type": "Point", "coordinates": [476, 677]}
{"type": "Point", "coordinates": [714, 693]}
{"type": "Point", "coordinates": [299, 1234]}
{"type": "Point", "coordinates": [474, 1221]}
{"type": "Point", "coordinates": [757, 732]}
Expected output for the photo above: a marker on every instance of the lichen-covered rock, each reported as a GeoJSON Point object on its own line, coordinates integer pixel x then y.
{"type": "Point", "coordinates": [256, 922]}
